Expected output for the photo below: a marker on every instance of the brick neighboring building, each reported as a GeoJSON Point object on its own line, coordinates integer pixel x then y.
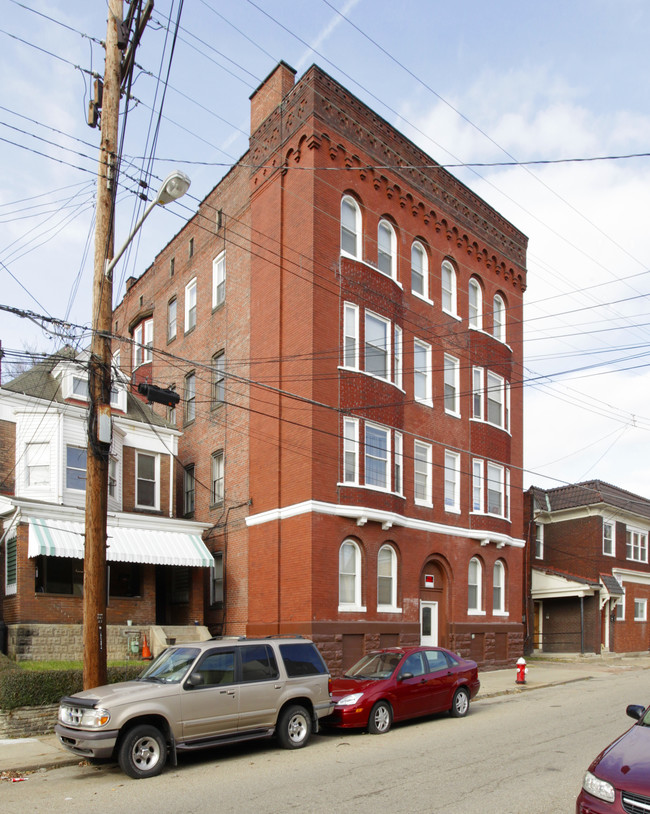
{"type": "Point", "coordinates": [343, 320]}
{"type": "Point", "coordinates": [155, 561]}
{"type": "Point", "coordinates": [589, 575]}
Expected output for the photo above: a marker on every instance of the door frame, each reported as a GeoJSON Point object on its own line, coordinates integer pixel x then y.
{"type": "Point", "coordinates": [432, 640]}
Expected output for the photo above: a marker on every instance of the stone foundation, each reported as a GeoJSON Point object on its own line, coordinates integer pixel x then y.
{"type": "Point", "coordinates": [65, 642]}
{"type": "Point", "coordinates": [26, 722]}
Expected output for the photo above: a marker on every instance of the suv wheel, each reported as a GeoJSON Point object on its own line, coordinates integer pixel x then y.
{"type": "Point", "coordinates": [142, 752]}
{"type": "Point", "coordinates": [294, 727]}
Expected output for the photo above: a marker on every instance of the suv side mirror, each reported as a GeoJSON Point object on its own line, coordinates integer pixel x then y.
{"type": "Point", "coordinates": [195, 680]}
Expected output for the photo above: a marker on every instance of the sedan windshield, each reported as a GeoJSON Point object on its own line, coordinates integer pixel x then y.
{"type": "Point", "coordinates": [171, 665]}
{"type": "Point", "coordinates": [375, 665]}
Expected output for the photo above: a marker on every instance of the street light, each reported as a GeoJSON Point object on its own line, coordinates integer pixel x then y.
{"type": "Point", "coordinates": [99, 438]}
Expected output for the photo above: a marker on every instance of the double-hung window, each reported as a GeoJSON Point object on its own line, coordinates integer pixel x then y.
{"type": "Point", "coordinates": [142, 342]}
{"type": "Point", "coordinates": [146, 488]}
{"type": "Point", "coordinates": [475, 304]}
{"type": "Point", "coordinates": [423, 473]}
{"type": "Point", "coordinates": [474, 586]}
{"type": "Point", "coordinates": [422, 388]}
{"type": "Point", "coordinates": [608, 539]}
{"type": "Point", "coordinates": [386, 251]}
{"type": "Point", "coordinates": [452, 481]}
{"type": "Point", "coordinates": [398, 465]}
{"type": "Point", "coordinates": [377, 346]}
{"type": "Point", "coordinates": [499, 588]}
{"type": "Point", "coordinates": [478, 375]}
{"type": "Point", "coordinates": [452, 385]}
{"type": "Point", "coordinates": [397, 357]}
{"type": "Point", "coordinates": [499, 318]}
{"type": "Point", "coordinates": [219, 280]}
{"type": "Point", "coordinates": [37, 466]}
{"type": "Point", "coordinates": [539, 541]}
{"type": "Point", "coordinates": [189, 488]}
{"type": "Point", "coordinates": [172, 306]}
{"type": "Point", "coordinates": [496, 490]}
{"type": "Point", "coordinates": [495, 399]}
{"type": "Point", "coordinates": [350, 576]}
{"type": "Point", "coordinates": [218, 478]}
{"type": "Point", "coordinates": [377, 456]}
{"type": "Point", "coordinates": [350, 227]}
{"type": "Point", "coordinates": [478, 502]}
{"type": "Point", "coordinates": [190, 397]}
{"type": "Point", "coordinates": [449, 300]}
{"type": "Point", "coordinates": [636, 545]}
{"type": "Point", "coordinates": [75, 470]}
{"type": "Point", "coordinates": [218, 379]}
{"type": "Point", "coordinates": [640, 610]}
{"type": "Point", "coordinates": [190, 305]}
{"type": "Point", "coordinates": [419, 270]}
{"type": "Point", "coordinates": [386, 578]}
{"type": "Point", "coordinates": [351, 450]}
{"type": "Point", "coordinates": [351, 336]}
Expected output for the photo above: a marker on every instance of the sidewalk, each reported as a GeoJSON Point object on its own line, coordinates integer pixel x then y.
{"type": "Point", "coordinates": [20, 756]}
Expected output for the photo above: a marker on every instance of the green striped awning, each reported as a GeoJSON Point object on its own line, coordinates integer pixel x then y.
{"type": "Point", "coordinates": [60, 538]}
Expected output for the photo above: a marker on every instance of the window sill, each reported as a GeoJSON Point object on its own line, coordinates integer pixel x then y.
{"type": "Point", "coordinates": [189, 330]}
{"type": "Point", "coordinates": [371, 488]}
{"type": "Point", "coordinates": [426, 504]}
{"type": "Point", "coordinates": [453, 509]}
{"type": "Point", "coordinates": [372, 268]}
{"type": "Point", "coordinates": [218, 306]}
{"type": "Point", "coordinates": [424, 402]}
{"type": "Point", "coordinates": [388, 609]}
{"type": "Point", "coordinates": [352, 609]}
{"type": "Point", "coordinates": [453, 413]}
{"type": "Point", "coordinates": [475, 613]}
{"type": "Point", "coordinates": [422, 297]}
{"type": "Point", "coordinates": [500, 613]}
{"type": "Point", "coordinates": [450, 314]}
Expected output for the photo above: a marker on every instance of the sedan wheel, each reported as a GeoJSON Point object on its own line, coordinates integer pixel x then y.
{"type": "Point", "coordinates": [460, 704]}
{"type": "Point", "coordinates": [381, 718]}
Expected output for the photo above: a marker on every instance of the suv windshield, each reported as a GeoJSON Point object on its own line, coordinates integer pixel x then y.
{"type": "Point", "coordinates": [171, 665]}
{"type": "Point", "coordinates": [375, 665]}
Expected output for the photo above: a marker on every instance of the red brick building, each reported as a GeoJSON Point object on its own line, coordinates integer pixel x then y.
{"type": "Point", "coordinates": [343, 320]}
{"type": "Point", "coordinates": [589, 576]}
{"type": "Point", "coordinates": [155, 561]}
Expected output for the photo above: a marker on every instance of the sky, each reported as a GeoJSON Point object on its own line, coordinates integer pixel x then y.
{"type": "Point", "coordinates": [552, 99]}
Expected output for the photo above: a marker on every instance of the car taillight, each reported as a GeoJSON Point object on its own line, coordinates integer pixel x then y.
{"type": "Point", "coordinates": [329, 685]}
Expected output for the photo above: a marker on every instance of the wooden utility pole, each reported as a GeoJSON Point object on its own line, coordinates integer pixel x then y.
{"type": "Point", "coordinates": [99, 374]}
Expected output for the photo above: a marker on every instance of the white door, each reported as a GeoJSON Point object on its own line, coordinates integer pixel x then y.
{"type": "Point", "coordinates": [429, 623]}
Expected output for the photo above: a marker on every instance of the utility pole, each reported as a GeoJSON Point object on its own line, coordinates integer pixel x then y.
{"type": "Point", "coordinates": [99, 375]}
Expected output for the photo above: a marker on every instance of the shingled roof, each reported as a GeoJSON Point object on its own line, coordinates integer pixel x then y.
{"type": "Point", "coordinates": [38, 382]}
{"type": "Point", "coordinates": [589, 493]}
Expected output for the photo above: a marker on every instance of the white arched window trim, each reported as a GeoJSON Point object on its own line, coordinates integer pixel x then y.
{"type": "Point", "coordinates": [475, 305]}
{"type": "Point", "coordinates": [350, 577]}
{"type": "Point", "coordinates": [499, 589]}
{"type": "Point", "coordinates": [387, 580]}
{"type": "Point", "coordinates": [475, 588]}
{"type": "Point", "coordinates": [350, 228]}
{"type": "Point", "coordinates": [499, 318]}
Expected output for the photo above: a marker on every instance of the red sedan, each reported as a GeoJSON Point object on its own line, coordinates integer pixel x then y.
{"type": "Point", "coordinates": [402, 682]}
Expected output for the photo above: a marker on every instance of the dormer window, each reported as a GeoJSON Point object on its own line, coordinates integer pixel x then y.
{"type": "Point", "coordinates": [80, 387]}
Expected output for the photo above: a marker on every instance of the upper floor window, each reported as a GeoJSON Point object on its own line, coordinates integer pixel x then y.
{"type": "Point", "coordinates": [377, 456]}
{"type": "Point", "coordinates": [397, 357]}
{"type": "Point", "coordinates": [171, 319]}
{"type": "Point", "coordinates": [369, 458]}
{"type": "Point", "coordinates": [477, 392]}
{"type": "Point", "coordinates": [190, 397]}
{"type": "Point", "coordinates": [190, 305]}
{"type": "Point", "coordinates": [620, 607]}
{"type": "Point", "coordinates": [189, 489]}
{"type": "Point", "coordinates": [495, 399]}
{"type": "Point", "coordinates": [172, 265]}
{"type": "Point", "coordinates": [37, 466]}
{"type": "Point", "coordinates": [636, 545]}
{"type": "Point", "coordinates": [475, 304]}
{"type": "Point", "coordinates": [350, 227]}
{"type": "Point", "coordinates": [112, 476]}
{"type": "Point", "coordinates": [190, 248]}
{"type": "Point", "coordinates": [398, 467]}
{"type": "Point", "coordinates": [539, 541]}
{"type": "Point", "coordinates": [350, 576]}
{"type": "Point", "coordinates": [497, 490]}
{"type": "Point", "coordinates": [423, 473]}
{"type": "Point", "coordinates": [219, 280]}
{"type": "Point", "coordinates": [386, 578]}
{"type": "Point", "coordinates": [142, 342]}
{"type": "Point", "coordinates": [478, 499]}
{"type": "Point", "coordinates": [146, 486]}
{"type": "Point", "coordinates": [217, 478]}
{"type": "Point", "coordinates": [640, 610]}
{"type": "Point", "coordinates": [452, 385]}
{"type": "Point", "coordinates": [386, 249]}
{"type": "Point", "coordinates": [449, 300]}
{"type": "Point", "coordinates": [351, 450]}
{"type": "Point", "coordinates": [422, 387]}
{"type": "Point", "coordinates": [474, 586]}
{"type": "Point", "coordinates": [452, 481]}
{"type": "Point", "coordinates": [419, 270]}
{"type": "Point", "coordinates": [499, 318]}
{"type": "Point", "coordinates": [608, 539]}
{"type": "Point", "coordinates": [377, 346]}
{"type": "Point", "coordinates": [218, 379]}
{"type": "Point", "coordinates": [499, 588]}
{"type": "Point", "coordinates": [75, 469]}
{"type": "Point", "coordinates": [216, 578]}
{"type": "Point", "coordinates": [80, 387]}
{"type": "Point", "coordinates": [351, 335]}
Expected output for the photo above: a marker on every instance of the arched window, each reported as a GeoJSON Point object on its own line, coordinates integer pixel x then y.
{"type": "Point", "coordinates": [349, 575]}
{"type": "Point", "coordinates": [386, 249]}
{"type": "Point", "coordinates": [499, 588]}
{"type": "Point", "coordinates": [419, 270]}
{"type": "Point", "coordinates": [449, 300]}
{"type": "Point", "coordinates": [386, 578]}
{"type": "Point", "coordinates": [350, 227]}
{"type": "Point", "coordinates": [499, 318]}
{"type": "Point", "coordinates": [475, 305]}
{"type": "Point", "coordinates": [474, 581]}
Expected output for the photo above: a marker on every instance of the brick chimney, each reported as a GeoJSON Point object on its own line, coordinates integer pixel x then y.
{"type": "Point", "coordinates": [270, 93]}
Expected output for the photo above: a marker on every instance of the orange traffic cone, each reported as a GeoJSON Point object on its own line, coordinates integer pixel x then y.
{"type": "Point", "coordinates": [146, 653]}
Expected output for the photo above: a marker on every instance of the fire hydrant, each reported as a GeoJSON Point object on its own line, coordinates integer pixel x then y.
{"type": "Point", "coordinates": [521, 671]}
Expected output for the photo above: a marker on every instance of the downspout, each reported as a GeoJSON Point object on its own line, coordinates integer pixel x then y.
{"type": "Point", "coordinates": [582, 624]}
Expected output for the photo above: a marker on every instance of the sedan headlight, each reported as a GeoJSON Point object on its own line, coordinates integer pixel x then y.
{"type": "Point", "coordinates": [599, 788]}
{"type": "Point", "coordinates": [349, 700]}
{"type": "Point", "coordinates": [88, 718]}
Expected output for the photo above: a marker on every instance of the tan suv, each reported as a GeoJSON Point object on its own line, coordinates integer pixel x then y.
{"type": "Point", "coordinates": [200, 695]}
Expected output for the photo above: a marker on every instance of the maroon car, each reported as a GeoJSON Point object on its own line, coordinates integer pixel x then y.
{"type": "Point", "coordinates": [618, 780]}
{"type": "Point", "coordinates": [399, 683]}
